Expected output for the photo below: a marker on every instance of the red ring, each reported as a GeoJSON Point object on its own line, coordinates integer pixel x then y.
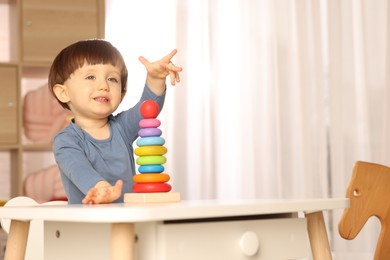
{"type": "Point", "coordinates": [151, 187]}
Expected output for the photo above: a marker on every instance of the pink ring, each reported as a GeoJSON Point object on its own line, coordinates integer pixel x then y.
{"type": "Point", "coordinates": [149, 123]}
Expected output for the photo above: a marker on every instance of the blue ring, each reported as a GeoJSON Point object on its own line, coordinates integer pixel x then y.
{"type": "Point", "coordinates": [150, 141]}
{"type": "Point", "coordinates": [151, 168]}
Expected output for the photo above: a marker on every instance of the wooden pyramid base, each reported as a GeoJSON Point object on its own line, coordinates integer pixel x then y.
{"type": "Point", "coordinates": [152, 197]}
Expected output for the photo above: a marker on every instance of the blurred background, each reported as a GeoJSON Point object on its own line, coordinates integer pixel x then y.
{"type": "Point", "coordinates": [278, 98]}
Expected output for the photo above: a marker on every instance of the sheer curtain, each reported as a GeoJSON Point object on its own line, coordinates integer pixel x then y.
{"type": "Point", "coordinates": [278, 98]}
{"type": "Point", "coordinates": [247, 135]}
{"type": "Point", "coordinates": [359, 66]}
{"type": "Point", "coordinates": [248, 119]}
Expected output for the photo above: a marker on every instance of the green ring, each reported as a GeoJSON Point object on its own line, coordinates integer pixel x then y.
{"type": "Point", "coordinates": [155, 159]}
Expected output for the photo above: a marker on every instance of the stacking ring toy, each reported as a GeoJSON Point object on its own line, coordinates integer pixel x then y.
{"type": "Point", "coordinates": [152, 140]}
{"type": "Point", "coordinates": [151, 187]}
{"type": "Point", "coordinates": [154, 159]}
{"type": "Point", "coordinates": [152, 177]}
{"type": "Point", "coordinates": [150, 150]}
{"type": "Point", "coordinates": [149, 123]}
{"type": "Point", "coordinates": [149, 109]}
{"type": "Point", "coordinates": [152, 168]}
{"type": "Point", "coordinates": [149, 132]}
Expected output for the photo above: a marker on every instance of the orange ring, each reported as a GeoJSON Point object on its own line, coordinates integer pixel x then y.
{"type": "Point", "coordinates": [151, 177]}
{"type": "Point", "coordinates": [150, 150]}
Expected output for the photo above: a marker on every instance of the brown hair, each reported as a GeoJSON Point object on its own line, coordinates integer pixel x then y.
{"type": "Point", "coordinates": [77, 54]}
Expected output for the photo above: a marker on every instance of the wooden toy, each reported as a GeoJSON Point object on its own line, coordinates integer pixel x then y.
{"type": "Point", "coordinates": [152, 187]}
{"type": "Point", "coordinates": [150, 122]}
{"type": "Point", "coordinates": [151, 184]}
{"type": "Point", "coordinates": [149, 109]}
{"type": "Point", "coordinates": [152, 197]}
{"type": "Point", "coordinates": [149, 132]}
{"type": "Point", "coordinates": [153, 140]}
{"type": "Point", "coordinates": [151, 177]}
{"type": "Point", "coordinates": [152, 159]}
{"type": "Point", "coordinates": [151, 168]}
{"type": "Point", "coordinates": [150, 150]}
{"type": "Point", "coordinates": [369, 192]}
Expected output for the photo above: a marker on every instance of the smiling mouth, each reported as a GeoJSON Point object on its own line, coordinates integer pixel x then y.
{"type": "Point", "coordinates": [101, 99]}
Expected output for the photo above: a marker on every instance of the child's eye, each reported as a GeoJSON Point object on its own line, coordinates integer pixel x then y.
{"type": "Point", "coordinates": [113, 80]}
{"type": "Point", "coordinates": [90, 77]}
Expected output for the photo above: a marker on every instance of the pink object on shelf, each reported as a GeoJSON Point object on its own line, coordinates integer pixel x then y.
{"type": "Point", "coordinates": [45, 185]}
{"type": "Point", "coordinates": [43, 117]}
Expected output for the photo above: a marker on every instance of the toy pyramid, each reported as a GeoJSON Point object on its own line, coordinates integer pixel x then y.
{"type": "Point", "coordinates": [151, 183]}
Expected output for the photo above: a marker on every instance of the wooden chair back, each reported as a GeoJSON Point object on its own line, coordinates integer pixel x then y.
{"type": "Point", "coordinates": [369, 194]}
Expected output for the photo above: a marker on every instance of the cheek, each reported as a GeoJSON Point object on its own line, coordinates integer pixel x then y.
{"type": "Point", "coordinates": [117, 95]}
{"type": "Point", "coordinates": [82, 93]}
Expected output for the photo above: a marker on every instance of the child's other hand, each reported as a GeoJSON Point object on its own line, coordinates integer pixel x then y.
{"type": "Point", "coordinates": [103, 193]}
{"type": "Point", "coordinates": [160, 69]}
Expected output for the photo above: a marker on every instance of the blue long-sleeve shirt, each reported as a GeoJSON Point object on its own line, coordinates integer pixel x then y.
{"type": "Point", "coordinates": [83, 160]}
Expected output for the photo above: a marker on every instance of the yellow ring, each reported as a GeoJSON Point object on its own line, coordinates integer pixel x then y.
{"type": "Point", "coordinates": [150, 150]}
{"type": "Point", "coordinates": [151, 177]}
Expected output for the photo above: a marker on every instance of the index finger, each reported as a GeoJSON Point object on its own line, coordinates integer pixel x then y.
{"type": "Point", "coordinates": [143, 60]}
{"type": "Point", "coordinates": [170, 55]}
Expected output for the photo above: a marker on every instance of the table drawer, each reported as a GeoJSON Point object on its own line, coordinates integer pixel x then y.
{"type": "Point", "coordinates": [264, 239]}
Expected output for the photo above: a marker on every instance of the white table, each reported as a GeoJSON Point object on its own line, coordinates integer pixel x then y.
{"type": "Point", "coordinates": [206, 215]}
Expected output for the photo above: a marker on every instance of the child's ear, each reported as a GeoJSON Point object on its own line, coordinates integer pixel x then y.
{"type": "Point", "coordinates": [61, 93]}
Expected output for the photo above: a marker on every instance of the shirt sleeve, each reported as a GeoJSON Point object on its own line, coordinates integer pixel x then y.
{"type": "Point", "coordinates": [129, 119]}
{"type": "Point", "coordinates": [73, 162]}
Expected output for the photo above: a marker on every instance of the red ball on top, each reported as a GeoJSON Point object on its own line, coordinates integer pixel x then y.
{"type": "Point", "coordinates": [149, 109]}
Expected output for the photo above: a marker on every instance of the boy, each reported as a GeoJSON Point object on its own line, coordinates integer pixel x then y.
{"type": "Point", "coordinates": [94, 152]}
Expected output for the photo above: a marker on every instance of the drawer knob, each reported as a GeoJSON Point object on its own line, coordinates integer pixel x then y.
{"type": "Point", "coordinates": [249, 243]}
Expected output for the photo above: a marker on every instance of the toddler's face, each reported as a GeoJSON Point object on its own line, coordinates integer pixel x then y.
{"type": "Point", "coordinates": [94, 91]}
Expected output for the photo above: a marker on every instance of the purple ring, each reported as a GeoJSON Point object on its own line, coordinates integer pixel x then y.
{"type": "Point", "coordinates": [144, 132]}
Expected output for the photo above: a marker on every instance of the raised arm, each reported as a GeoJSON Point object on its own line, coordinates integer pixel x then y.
{"type": "Point", "coordinates": [158, 71]}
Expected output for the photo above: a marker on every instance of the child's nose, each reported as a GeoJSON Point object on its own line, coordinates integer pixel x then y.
{"type": "Point", "coordinates": [104, 86]}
